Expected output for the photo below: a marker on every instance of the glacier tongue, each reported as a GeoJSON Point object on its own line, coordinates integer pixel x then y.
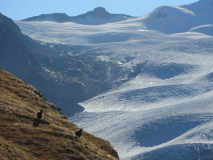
{"type": "Point", "coordinates": [163, 107]}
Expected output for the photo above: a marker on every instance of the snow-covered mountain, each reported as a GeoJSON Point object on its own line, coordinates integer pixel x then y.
{"type": "Point", "coordinates": [169, 19]}
{"type": "Point", "coordinates": [161, 106]}
{"type": "Point", "coordinates": [96, 17]}
{"type": "Point", "coordinates": [203, 9]}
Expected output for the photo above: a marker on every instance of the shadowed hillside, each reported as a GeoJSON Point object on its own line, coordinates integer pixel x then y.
{"type": "Point", "coordinates": [23, 136]}
{"type": "Point", "coordinates": [65, 80]}
{"type": "Point", "coordinates": [17, 57]}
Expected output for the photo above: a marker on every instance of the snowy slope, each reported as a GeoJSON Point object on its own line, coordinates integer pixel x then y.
{"type": "Point", "coordinates": [163, 108]}
{"type": "Point", "coordinates": [169, 19]}
{"type": "Point", "coordinates": [203, 10]}
{"type": "Point", "coordinates": [205, 29]}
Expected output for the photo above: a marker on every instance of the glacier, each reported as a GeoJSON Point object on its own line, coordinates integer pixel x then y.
{"type": "Point", "coordinates": [164, 107]}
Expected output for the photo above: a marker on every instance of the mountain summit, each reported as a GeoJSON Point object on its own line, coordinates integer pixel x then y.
{"type": "Point", "coordinates": [101, 12]}
{"type": "Point", "coordinates": [168, 19]}
{"type": "Point", "coordinates": [96, 17]}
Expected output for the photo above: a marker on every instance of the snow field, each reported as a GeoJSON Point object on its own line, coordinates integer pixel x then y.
{"type": "Point", "coordinates": [164, 109]}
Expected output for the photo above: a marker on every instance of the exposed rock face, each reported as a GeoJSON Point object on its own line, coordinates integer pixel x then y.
{"type": "Point", "coordinates": [23, 136]}
{"type": "Point", "coordinates": [161, 15]}
{"type": "Point", "coordinates": [9, 22]}
{"type": "Point", "coordinates": [64, 80]}
{"type": "Point", "coordinates": [17, 57]}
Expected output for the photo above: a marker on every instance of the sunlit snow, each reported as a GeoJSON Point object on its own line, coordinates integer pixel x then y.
{"type": "Point", "coordinates": [164, 110]}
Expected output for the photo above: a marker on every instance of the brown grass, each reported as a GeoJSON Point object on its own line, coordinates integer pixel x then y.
{"type": "Point", "coordinates": [23, 136]}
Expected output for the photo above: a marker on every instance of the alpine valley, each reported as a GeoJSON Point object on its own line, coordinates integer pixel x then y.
{"type": "Point", "coordinates": [145, 84]}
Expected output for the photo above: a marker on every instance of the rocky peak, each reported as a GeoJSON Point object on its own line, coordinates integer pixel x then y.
{"type": "Point", "coordinates": [99, 12]}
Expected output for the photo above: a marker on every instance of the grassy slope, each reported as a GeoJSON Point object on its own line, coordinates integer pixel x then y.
{"type": "Point", "coordinates": [23, 136]}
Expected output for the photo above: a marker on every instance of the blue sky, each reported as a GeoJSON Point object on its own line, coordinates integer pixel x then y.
{"type": "Point", "coordinates": [21, 9]}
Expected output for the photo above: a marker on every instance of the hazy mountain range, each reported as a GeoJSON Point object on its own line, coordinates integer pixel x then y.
{"type": "Point", "coordinates": [96, 17]}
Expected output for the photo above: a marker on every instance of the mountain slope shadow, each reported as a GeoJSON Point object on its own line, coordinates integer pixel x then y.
{"type": "Point", "coordinates": [164, 130]}
{"type": "Point", "coordinates": [180, 151]}
{"type": "Point", "coordinates": [162, 71]}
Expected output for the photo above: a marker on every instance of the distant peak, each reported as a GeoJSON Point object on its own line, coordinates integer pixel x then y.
{"type": "Point", "coordinates": [97, 16]}
{"type": "Point", "coordinates": [99, 10]}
